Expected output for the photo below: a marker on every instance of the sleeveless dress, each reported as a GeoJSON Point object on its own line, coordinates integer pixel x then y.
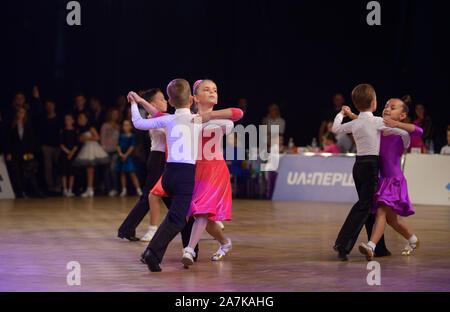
{"type": "Point", "coordinates": [393, 189]}
{"type": "Point", "coordinates": [91, 154]}
{"type": "Point", "coordinates": [212, 191]}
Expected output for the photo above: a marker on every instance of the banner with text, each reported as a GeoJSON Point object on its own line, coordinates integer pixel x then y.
{"type": "Point", "coordinates": [315, 178]}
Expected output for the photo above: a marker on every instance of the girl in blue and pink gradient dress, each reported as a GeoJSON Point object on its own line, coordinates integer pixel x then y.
{"type": "Point", "coordinates": [392, 197]}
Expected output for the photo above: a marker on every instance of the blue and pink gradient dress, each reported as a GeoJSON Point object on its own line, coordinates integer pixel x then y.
{"type": "Point", "coordinates": [393, 190]}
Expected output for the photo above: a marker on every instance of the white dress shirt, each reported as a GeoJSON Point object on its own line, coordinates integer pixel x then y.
{"type": "Point", "coordinates": [158, 137]}
{"type": "Point", "coordinates": [182, 135]}
{"type": "Point", "coordinates": [366, 130]}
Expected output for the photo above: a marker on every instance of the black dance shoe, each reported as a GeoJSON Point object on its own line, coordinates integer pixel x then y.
{"type": "Point", "coordinates": [382, 253]}
{"type": "Point", "coordinates": [131, 238]}
{"type": "Point", "coordinates": [151, 261]}
{"type": "Point", "coordinates": [342, 254]}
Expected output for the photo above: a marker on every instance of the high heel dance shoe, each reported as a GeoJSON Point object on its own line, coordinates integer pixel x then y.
{"type": "Point", "coordinates": [367, 251]}
{"type": "Point", "coordinates": [410, 248]}
{"type": "Point", "coordinates": [223, 250]}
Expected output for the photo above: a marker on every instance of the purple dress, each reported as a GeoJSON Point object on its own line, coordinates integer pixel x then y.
{"type": "Point", "coordinates": [393, 190]}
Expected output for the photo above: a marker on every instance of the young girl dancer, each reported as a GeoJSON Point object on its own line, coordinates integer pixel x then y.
{"type": "Point", "coordinates": [125, 164]}
{"type": "Point", "coordinates": [91, 153]}
{"type": "Point", "coordinates": [212, 196]}
{"type": "Point", "coordinates": [392, 196]}
{"type": "Point", "coordinates": [69, 146]}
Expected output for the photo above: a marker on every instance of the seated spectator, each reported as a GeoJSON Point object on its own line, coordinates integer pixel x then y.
{"type": "Point", "coordinates": [21, 148]}
{"type": "Point", "coordinates": [274, 118]}
{"type": "Point", "coordinates": [424, 121]}
{"type": "Point", "coordinates": [338, 101]}
{"type": "Point", "coordinates": [446, 149]}
{"type": "Point", "coordinates": [331, 147]}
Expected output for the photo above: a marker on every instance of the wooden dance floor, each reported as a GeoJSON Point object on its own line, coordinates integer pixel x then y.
{"type": "Point", "coordinates": [277, 246]}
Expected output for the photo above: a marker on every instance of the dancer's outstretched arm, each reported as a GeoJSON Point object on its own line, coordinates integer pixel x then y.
{"type": "Point", "coordinates": [234, 114]}
{"type": "Point", "coordinates": [149, 108]}
{"type": "Point", "coordinates": [147, 124]}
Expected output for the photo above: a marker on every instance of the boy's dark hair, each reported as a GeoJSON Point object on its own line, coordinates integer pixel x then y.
{"type": "Point", "coordinates": [179, 92]}
{"type": "Point", "coordinates": [362, 96]}
{"type": "Point", "coordinates": [149, 94]}
{"type": "Point", "coordinates": [331, 137]}
{"type": "Point", "coordinates": [79, 94]}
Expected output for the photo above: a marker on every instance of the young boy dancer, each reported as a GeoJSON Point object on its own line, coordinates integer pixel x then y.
{"type": "Point", "coordinates": [366, 131]}
{"type": "Point", "coordinates": [179, 173]}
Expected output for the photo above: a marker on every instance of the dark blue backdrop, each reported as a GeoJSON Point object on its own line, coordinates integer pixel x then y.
{"type": "Point", "coordinates": [294, 52]}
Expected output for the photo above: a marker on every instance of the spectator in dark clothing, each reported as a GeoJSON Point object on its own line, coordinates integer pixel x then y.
{"type": "Point", "coordinates": [80, 106]}
{"type": "Point", "coordinates": [50, 126]}
{"type": "Point", "coordinates": [122, 106]}
{"type": "Point", "coordinates": [97, 113]}
{"type": "Point", "coordinates": [329, 114]}
{"type": "Point", "coordinates": [21, 147]}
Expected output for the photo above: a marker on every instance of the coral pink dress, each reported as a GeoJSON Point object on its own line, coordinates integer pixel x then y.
{"type": "Point", "coordinates": [212, 190]}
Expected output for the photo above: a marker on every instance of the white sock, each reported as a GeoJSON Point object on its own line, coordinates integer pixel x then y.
{"type": "Point", "coordinates": [413, 239]}
{"type": "Point", "coordinates": [152, 228]}
{"type": "Point", "coordinates": [90, 189]}
{"type": "Point", "coordinates": [372, 245]}
{"type": "Point", "coordinates": [124, 189]}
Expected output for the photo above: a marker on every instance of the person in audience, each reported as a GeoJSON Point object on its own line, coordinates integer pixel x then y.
{"type": "Point", "coordinates": [330, 143]}
{"type": "Point", "coordinates": [68, 143]}
{"type": "Point", "coordinates": [446, 149]}
{"type": "Point", "coordinates": [274, 118]}
{"type": "Point", "coordinates": [50, 125]}
{"type": "Point", "coordinates": [122, 106]}
{"type": "Point", "coordinates": [21, 148]}
{"type": "Point", "coordinates": [109, 139]}
{"type": "Point", "coordinates": [80, 106]}
{"type": "Point", "coordinates": [97, 112]}
{"type": "Point", "coordinates": [422, 120]}
{"type": "Point", "coordinates": [91, 154]}
{"type": "Point", "coordinates": [242, 104]}
{"type": "Point", "coordinates": [125, 163]}
{"type": "Point", "coordinates": [338, 100]}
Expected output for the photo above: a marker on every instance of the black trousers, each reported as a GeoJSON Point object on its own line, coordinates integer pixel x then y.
{"type": "Point", "coordinates": [178, 181]}
{"type": "Point", "coordinates": [365, 174]}
{"type": "Point", "coordinates": [155, 167]}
